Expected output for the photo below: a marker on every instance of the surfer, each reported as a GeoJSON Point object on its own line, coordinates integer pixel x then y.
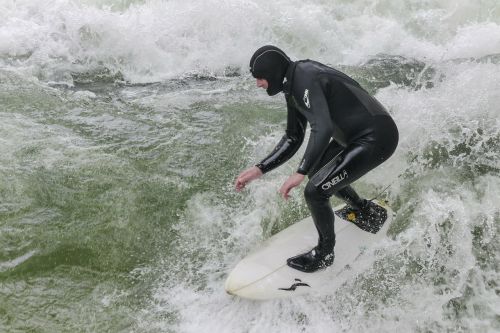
{"type": "Point", "coordinates": [351, 133]}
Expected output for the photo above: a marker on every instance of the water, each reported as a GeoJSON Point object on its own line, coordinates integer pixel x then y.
{"type": "Point", "coordinates": [124, 123]}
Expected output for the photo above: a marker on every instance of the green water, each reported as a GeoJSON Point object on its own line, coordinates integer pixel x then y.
{"type": "Point", "coordinates": [123, 124]}
{"type": "Point", "coordinates": [91, 191]}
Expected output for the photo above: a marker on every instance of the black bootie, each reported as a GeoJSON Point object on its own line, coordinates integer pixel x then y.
{"type": "Point", "coordinates": [311, 261]}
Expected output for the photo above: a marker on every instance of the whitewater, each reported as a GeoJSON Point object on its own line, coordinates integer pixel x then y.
{"type": "Point", "coordinates": [123, 124]}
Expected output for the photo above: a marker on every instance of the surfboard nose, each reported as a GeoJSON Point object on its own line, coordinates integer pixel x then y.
{"type": "Point", "coordinates": [243, 275]}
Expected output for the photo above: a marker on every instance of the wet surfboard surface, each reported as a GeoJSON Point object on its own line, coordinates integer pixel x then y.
{"type": "Point", "coordinates": [263, 274]}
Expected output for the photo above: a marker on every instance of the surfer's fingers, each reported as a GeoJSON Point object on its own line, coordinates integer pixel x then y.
{"type": "Point", "coordinates": [239, 183]}
{"type": "Point", "coordinates": [241, 180]}
{"type": "Point", "coordinates": [282, 191]}
{"type": "Point", "coordinates": [285, 189]}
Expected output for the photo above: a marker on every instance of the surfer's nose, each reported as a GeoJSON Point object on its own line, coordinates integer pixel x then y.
{"type": "Point", "coordinates": [262, 83]}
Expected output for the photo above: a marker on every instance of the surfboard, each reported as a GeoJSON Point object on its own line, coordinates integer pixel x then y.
{"type": "Point", "coordinates": [263, 274]}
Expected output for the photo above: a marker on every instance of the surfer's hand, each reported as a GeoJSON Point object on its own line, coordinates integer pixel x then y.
{"type": "Point", "coordinates": [292, 181]}
{"type": "Point", "coordinates": [247, 176]}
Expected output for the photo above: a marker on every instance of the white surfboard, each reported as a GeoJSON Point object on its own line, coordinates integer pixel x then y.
{"type": "Point", "coordinates": [264, 274]}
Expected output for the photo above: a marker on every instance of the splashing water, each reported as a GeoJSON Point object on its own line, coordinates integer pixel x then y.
{"type": "Point", "coordinates": [124, 123]}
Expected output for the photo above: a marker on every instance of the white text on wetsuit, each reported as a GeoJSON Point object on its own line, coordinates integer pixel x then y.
{"type": "Point", "coordinates": [341, 176]}
{"type": "Point", "coordinates": [306, 99]}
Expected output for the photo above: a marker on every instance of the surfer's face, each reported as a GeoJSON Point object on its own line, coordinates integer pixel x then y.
{"type": "Point", "coordinates": [262, 83]}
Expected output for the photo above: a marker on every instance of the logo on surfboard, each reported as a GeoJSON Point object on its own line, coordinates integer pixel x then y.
{"type": "Point", "coordinates": [298, 283]}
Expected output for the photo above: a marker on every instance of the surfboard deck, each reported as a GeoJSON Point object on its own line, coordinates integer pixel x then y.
{"type": "Point", "coordinates": [263, 274]}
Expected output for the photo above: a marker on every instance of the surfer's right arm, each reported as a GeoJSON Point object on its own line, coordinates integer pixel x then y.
{"type": "Point", "coordinates": [289, 143]}
{"type": "Point", "coordinates": [284, 150]}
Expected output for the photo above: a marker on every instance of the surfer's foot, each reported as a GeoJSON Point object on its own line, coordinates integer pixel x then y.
{"type": "Point", "coordinates": [373, 213]}
{"type": "Point", "coordinates": [369, 217]}
{"type": "Point", "coordinates": [311, 261]}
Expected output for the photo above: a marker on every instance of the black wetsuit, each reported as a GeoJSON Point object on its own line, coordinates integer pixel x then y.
{"type": "Point", "coordinates": [351, 133]}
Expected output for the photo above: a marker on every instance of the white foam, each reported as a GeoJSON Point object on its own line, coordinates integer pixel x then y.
{"type": "Point", "coordinates": [155, 40]}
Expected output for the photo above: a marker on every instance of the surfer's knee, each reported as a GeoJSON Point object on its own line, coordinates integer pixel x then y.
{"type": "Point", "coordinates": [312, 193]}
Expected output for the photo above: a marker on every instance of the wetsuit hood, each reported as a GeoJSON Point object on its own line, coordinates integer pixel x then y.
{"type": "Point", "coordinates": [270, 63]}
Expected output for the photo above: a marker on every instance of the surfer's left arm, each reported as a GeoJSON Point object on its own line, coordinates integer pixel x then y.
{"type": "Point", "coordinates": [318, 115]}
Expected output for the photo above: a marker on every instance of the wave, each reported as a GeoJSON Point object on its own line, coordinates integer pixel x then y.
{"type": "Point", "coordinates": [150, 41]}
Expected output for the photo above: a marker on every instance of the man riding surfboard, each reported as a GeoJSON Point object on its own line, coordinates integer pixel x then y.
{"type": "Point", "coordinates": [351, 133]}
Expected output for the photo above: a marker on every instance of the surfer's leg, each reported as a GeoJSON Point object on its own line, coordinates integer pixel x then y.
{"type": "Point", "coordinates": [355, 161]}
{"type": "Point", "coordinates": [322, 213]}
{"type": "Point", "coordinates": [349, 196]}
{"type": "Point", "coordinates": [359, 158]}
{"type": "Point", "coordinates": [319, 202]}
{"type": "Point", "coordinates": [347, 193]}
{"type": "Point", "coordinates": [323, 217]}
{"type": "Point", "coordinates": [334, 178]}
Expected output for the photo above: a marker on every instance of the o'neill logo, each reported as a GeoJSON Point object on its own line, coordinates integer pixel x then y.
{"type": "Point", "coordinates": [341, 176]}
{"type": "Point", "coordinates": [306, 99]}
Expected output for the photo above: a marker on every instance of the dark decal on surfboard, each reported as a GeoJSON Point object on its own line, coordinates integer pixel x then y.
{"type": "Point", "coordinates": [294, 286]}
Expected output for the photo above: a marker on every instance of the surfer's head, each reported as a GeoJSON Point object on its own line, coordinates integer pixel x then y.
{"type": "Point", "coordinates": [270, 63]}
